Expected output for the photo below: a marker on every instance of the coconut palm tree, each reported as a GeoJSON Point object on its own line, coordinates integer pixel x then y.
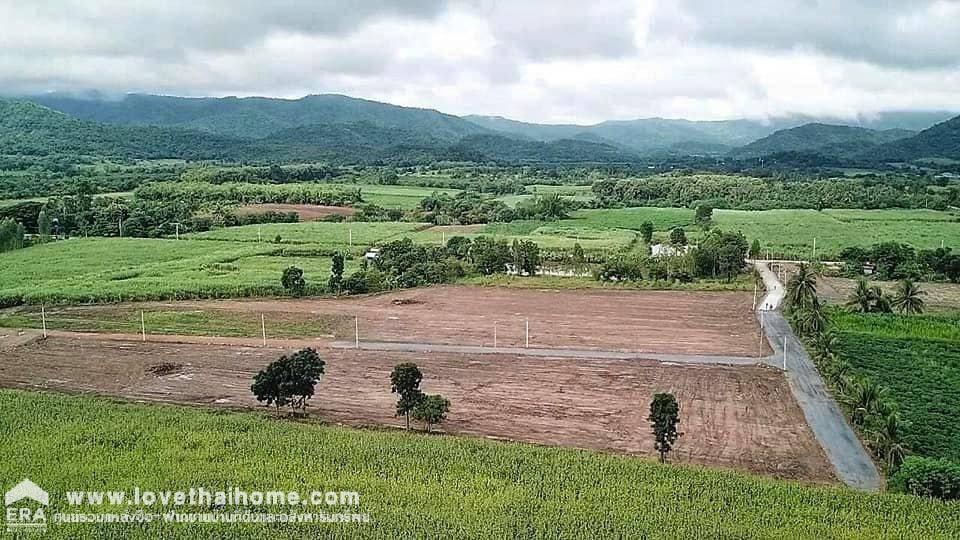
{"type": "Point", "coordinates": [887, 440]}
{"type": "Point", "coordinates": [810, 320]}
{"type": "Point", "coordinates": [908, 298]}
{"type": "Point", "coordinates": [838, 375]}
{"type": "Point", "coordinates": [862, 298]}
{"type": "Point", "coordinates": [881, 302]}
{"type": "Point", "coordinates": [865, 398]}
{"type": "Point", "coordinates": [825, 346]}
{"type": "Point", "coordinates": [802, 288]}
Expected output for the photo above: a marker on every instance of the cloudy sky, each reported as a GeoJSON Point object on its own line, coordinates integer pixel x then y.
{"type": "Point", "coordinates": [535, 60]}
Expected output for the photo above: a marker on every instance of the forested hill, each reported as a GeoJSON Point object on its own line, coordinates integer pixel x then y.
{"type": "Point", "coordinates": [258, 117]}
{"type": "Point", "coordinates": [656, 135]}
{"type": "Point", "coordinates": [30, 129]}
{"type": "Point", "coordinates": [826, 139]}
{"type": "Point", "coordinates": [939, 141]}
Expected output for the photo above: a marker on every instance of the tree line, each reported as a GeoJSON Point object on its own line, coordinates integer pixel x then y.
{"type": "Point", "coordinates": [747, 193]}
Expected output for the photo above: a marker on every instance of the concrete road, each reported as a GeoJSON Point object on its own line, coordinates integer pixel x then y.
{"type": "Point", "coordinates": [829, 425]}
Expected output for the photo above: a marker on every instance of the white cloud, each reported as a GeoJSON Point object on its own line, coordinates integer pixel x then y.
{"type": "Point", "coordinates": [537, 60]}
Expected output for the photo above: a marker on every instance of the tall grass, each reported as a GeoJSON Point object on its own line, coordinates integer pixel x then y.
{"type": "Point", "coordinates": [417, 486]}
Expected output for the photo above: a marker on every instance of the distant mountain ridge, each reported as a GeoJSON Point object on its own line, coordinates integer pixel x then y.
{"type": "Point", "coordinates": [350, 130]}
{"type": "Point", "coordinates": [257, 117]}
{"type": "Point", "coordinates": [658, 134]}
{"type": "Point", "coordinates": [826, 139]}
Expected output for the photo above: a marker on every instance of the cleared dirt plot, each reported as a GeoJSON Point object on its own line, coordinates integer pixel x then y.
{"type": "Point", "coordinates": [677, 322]}
{"type": "Point", "coordinates": [307, 212]}
{"type": "Point", "coordinates": [939, 296]}
{"type": "Point", "coordinates": [740, 417]}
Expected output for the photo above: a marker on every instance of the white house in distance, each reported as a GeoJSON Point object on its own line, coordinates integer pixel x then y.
{"type": "Point", "coordinates": [667, 250]}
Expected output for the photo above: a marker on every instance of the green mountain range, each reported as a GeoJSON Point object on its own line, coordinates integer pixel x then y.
{"type": "Point", "coordinates": [343, 129]}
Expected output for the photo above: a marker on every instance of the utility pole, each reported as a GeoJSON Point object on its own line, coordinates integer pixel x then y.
{"type": "Point", "coordinates": [177, 225]}
{"type": "Point", "coordinates": [814, 248]}
{"type": "Point", "coordinates": [784, 353]}
{"type": "Point", "coordinates": [263, 329]}
{"type": "Point", "coordinates": [356, 332]}
{"type": "Point", "coordinates": [143, 327]}
{"type": "Point", "coordinates": [527, 340]}
{"type": "Point", "coordinates": [754, 295]}
{"type": "Point", "coordinates": [120, 227]}
{"type": "Point", "coordinates": [43, 317]}
{"type": "Point", "coordinates": [350, 232]}
{"type": "Point", "coordinates": [760, 343]}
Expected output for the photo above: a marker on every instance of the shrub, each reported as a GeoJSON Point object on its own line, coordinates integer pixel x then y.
{"type": "Point", "coordinates": [929, 477]}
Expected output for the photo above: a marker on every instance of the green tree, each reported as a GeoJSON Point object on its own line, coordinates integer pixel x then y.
{"type": "Point", "coordinates": [664, 417]}
{"type": "Point", "coordinates": [290, 380]}
{"type": "Point", "coordinates": [293, 281]}
{"type": "Point", "coordinates": [802, 288]}
{"type": "Point", "coordinates": [405, 382]}
{"type": "Point", "coordinates": [459, 247]}
{"type": "Point", "coordinates": [526, 257]}
{"type": "Point", "coordinates": [865, 399]}
{"type": "Point", "coordinates": [678, 237]}
{"type": "Point", "coordinates": [578, 257]}
{"type": "Point", "coordinates": [304, 369]}
{"type": "Point", "coordinates": [490, 256]}
{"type": "Point", "coordinates": [755, 249]}
{"type": "Point", "coordinates": [908, 299]}
{"type": "Point", "coordinates": [861, 300]}
{"type": "Point", "coordinates": [268, 385]}
{"type": "Point", "coordinates": [431, 410]}
{"type": "Point", "coordinates": [881, 301]}
{"type": "Point", "coordinates": [335, 283]}
{"type": "Point", "coordinates": [704, 216]}
{"type": "Point", "coordinates": [44, 223]}
{"type": "Point", "coordinates": [646, 232]}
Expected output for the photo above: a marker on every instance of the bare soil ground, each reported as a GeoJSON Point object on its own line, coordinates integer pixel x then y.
{"type": "Point", "coordinates": [307, 212]}
{"type": "Point", "coordinates": [714, 323]}
{"type": "Point", "coordinates": [939, 295]}
{"type": "Point", "coordinates": [742, 417]}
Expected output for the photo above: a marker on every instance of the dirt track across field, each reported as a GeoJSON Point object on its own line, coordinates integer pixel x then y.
{"type": "Point", "coordinates": [714, 323]}
{"type": "Point", "coordinates": [742, 417]}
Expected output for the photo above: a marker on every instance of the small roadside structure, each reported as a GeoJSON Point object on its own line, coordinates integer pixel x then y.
{"type": "Point", "coordinates": [668, 250]}
{"type": "Point", "coordinates": [371, 254]}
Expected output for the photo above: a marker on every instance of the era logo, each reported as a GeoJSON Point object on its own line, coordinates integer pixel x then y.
{"type": "Point", "coordinates": [25, 504]}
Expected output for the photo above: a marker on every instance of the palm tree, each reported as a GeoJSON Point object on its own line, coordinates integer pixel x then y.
{"type": "Point", "coordinates": [802, 288]}
{"type": "Point", "coordinates": [907, 299]}
{"type": "Point", "coordinates": [810, 320]}
{"type": "Point", "coordinates": [838, 375]}
{"type": "Point", "coordinates": [887, 441]}
{"type": "Point", "coordinates": [881, 302]}
{"type": "Point", "coordinates": [866, 396]}
{"type": "Point", "coordinates": [862, 298]}
{"type": "Point", "coordinates": [825, 346]}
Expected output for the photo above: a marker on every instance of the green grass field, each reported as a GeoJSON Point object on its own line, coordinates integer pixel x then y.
{"type": "Point", "coordinates": [791, 232]}
{"type": "Point", "coordinates": [548, 235]}
{"type": "Point", "coordinates": [127, 269]}
{"type": "Point", "coordinates": [415, 485]}
{"type": "Point", "coordinates": [402, 197]}
{"type": "Point", "coordinates": [359, 234]}
{"type": "Point", "coordinates": [918, 359]}
{"type": "Point", "coordinates": [663, 219]}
